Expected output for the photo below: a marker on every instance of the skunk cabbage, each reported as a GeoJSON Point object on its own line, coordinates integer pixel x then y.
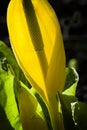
{"type": "Point", "coordinates": [37, 43]}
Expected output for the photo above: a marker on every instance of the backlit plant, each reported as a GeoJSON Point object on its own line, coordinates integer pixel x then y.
{"type": "Point", "coordinates": [40, 95]}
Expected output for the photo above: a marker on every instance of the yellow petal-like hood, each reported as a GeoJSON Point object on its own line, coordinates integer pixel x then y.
{"type": "Point", "coordinates": [37, 43]}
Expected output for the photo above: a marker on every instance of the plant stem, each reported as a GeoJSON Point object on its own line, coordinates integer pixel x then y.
{"type": "Point", "coordinates": [55, 114]}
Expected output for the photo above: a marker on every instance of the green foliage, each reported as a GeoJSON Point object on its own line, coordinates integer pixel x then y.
{"type": "Point", "coordinates": [12, 79]}
{"type": "Point", "coordinates": [9, 115]}
{"type": "Point", "coordinates": [71, 82]}
{"type": "Point", "coordinates": [7, 55]}
{"type": "Point", "coordinates": [74, 112]}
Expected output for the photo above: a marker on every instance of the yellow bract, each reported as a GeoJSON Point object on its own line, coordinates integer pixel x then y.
{"type": "Point", "coordinates": [44, 66]}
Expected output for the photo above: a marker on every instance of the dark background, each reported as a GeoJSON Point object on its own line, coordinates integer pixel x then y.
{"type": "Point", "coordinates": [73, 21]}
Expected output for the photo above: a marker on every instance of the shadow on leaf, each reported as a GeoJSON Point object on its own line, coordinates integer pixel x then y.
{"type": "Point", "coordinates": [4, 122]}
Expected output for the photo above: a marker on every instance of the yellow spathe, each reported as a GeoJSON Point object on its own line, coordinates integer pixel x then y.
{"type": "Point", "coordinates": [40, 54]}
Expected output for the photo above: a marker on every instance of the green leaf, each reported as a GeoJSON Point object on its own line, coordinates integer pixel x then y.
{"type": "Point", "coordinates": [65, 102]}
{"type": "Point", "coordinates": [6, 53]}
{"type": "Point", "coordinates": [8, 106]}
{"type": "Point", "coordinates": [79, 115]}
{"type": "Point", "coordinates": [71, 82]}
{"type": "Point", "coordinates": [74, 113]}
{"type": "Point", "coordinates": [45, 111]}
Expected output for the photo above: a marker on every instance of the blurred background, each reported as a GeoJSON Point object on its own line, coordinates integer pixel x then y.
{"type": "Point", "coordinates": [73, 22]}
